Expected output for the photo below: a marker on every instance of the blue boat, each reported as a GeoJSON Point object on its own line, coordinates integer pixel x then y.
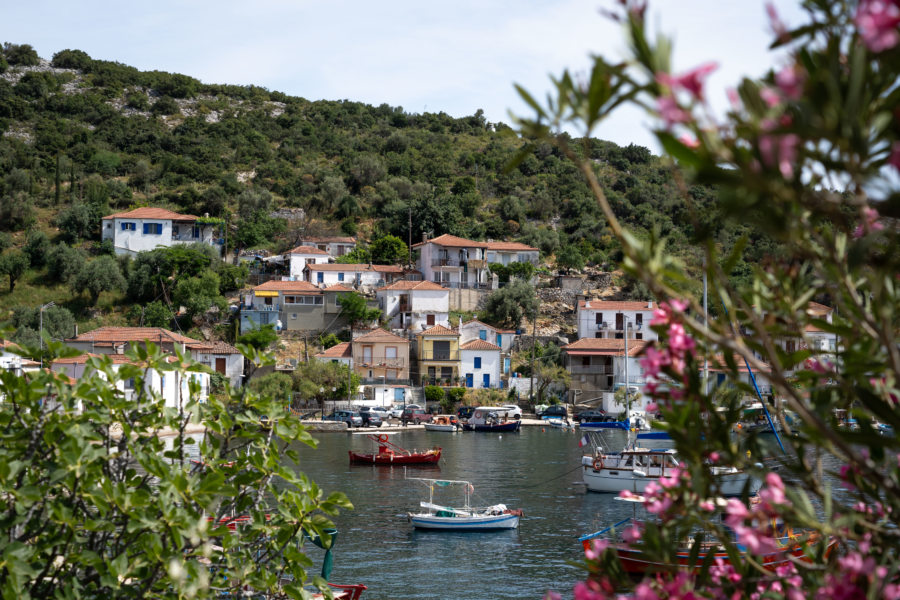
{"type": "Point", "coordinates": [491, 418]}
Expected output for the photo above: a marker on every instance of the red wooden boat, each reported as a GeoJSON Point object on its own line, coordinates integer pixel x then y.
{"type": "Point", "coordinates": [389, 453]}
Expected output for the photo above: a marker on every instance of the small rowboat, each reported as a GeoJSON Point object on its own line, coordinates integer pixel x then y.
{"type": "Point", "coordinates": [467, 518]}
{"type": "Point", "coordinates": [445, 423]}
{"type": "Point", "coordinates": [389, 453]}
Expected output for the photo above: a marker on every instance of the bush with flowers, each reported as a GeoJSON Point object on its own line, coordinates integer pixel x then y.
{"type": "Point", "coordinates": [809, 154]}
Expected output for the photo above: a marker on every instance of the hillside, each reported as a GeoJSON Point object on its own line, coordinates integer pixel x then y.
{"type": "Point", "coordinates": [82, 138]}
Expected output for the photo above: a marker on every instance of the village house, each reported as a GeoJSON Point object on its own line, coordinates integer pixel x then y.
{"type": "Point", "coordinates": [438, 354]}
{"type": "Point", "coordinates": [354, 275]}
{"type": "Point", "coordinates": [506, 253]}
{"type": "Point", "coordinates": [414, 305]}
{"type": "Point", "coordinates": [454, 262]}
{"type": "Point", "coordinates": [293, 306]}
{"type": "Point", "coordinates": [597, 370]}
{"type": "Point", "coordinates": [295, 260]}
{"type": "Point", "coordinates": [474, 329]}
{"type": "Point", "coordinates": [340, 353]}
{"type": "Point", "coordinates": [172, 386]}
{"type": "Point", "coordinates": [219, 356]}
{"type": "Point", "coordinates": [334, 246]}
{"type": "Point", "coordinates": [10, 361]}
{"type": "Point", "coordinates": [147, 228]}
{"type": "Point", "coordinates": [379, 356]}
{"type": "Point", "coordinates": [610, 319]}
{"type": "Point", "coordinates": [480, 364]}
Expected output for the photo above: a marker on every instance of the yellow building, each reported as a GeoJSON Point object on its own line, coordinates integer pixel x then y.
{"type": "Point", "coordinates": [439, 356]}
{"type": "Point", "coordinates": [381, 356]}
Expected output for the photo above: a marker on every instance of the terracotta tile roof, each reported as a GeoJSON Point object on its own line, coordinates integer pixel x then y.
{"type": "Point", "coordinates": [157, 335]}
{"type": "Point", "coordinates": [380, 335]}
{"type": "Point", "coordinates": [630, 305]}
{"type": "Point", "coordinates": [451, 241]}
{"type": "Point", "coordinates": [497, 329]}
{"type": "Point", "coordinates": [341, 350]}
{"type": "Point", "coordinates": [288, 286]}
{"type": "Point", "coordinates": [346, 267]}
{"type": "Point", "coordinates": [814, 308]}
{"type": "Point", "coordinates": [405, 284]}
{"type": "Point", "coordinates": [511, 246]}
{"type": "Point", "coordinates": [307, 250]}
{"type": "Point", "coordinates": [338, 287]}
{"type": "Point", "coordinates": [219, 347]}
{"type": "Point", "coordinates": [148, 212]}
{"type": "Point", "coordinates": [330, 240]}
{"type": "Point", "coordinates": [612, 347]}
{"type": "Point", "coordinates": [387, 268]}
{"type": "Point", "coordinates": [440, 330]}
{"type": "Point", "coordinates": [479, 345]}
{"type": "Point", "coordinates": [117, 359]}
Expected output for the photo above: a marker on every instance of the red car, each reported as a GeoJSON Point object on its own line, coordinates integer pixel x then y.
{"type": "Point", "coordinates": [414, 415]}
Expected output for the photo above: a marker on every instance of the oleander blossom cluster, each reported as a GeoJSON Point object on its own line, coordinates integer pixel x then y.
{"type": "Point", "coordinates": [673, 356]}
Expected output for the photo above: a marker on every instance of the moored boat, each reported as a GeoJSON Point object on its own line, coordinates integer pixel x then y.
{"type": "Point", "coordinates": [489, 418]}
{"type": "Point", "coordinates": [445, 423]}
{"type": "Point", "coordinates": [389, 453]}
{"type": "Point", "coordinates": [466, 518]}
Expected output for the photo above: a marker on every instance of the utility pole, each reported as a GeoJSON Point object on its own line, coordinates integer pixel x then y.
{"type": "Point", "coordinates": [409, 233]}
{"type": "Point", "coordinates": [537, 303]}
{"type": "Point", "coordinates": [627, 400]}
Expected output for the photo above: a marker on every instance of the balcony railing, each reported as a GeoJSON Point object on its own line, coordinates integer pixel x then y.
{"type": "Point", "coordinates": [265, 308]}
{"type": "Point", "coordinates": [440, 355]}
{"type": "Point", "coordinates": [603, 325]}
{"type": "Point", "coordinates": [379, 362]}
{"type": "Point", "coordinates": [591, 369]}
{"type": "Point", "coordinates": [383, 381]}
{"type": "Point", "coordinates": [447, 262]}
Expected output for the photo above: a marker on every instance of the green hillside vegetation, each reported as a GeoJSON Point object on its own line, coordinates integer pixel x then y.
{"type": "Point", "coordinates": [83, 138]}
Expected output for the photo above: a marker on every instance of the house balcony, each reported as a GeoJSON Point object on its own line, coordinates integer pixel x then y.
{"type": "Point", "coordinates": [383, 381]}
{"type": "Point", "coordinates": [448, 355]}
{"type": "Point", "coordinates": [591, 369]}
{"type": "Point", "coordinates": [264, 308]}
{"type": "Point", "coordinates": [380, 362]}
{"type": "Point", "coordinates": [447, 262]}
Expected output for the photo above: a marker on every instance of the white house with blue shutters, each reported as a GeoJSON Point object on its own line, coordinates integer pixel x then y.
{"type": "Point", "coordinates": [479, 364]}
{"type": "Point", "coordinates": [147, 228]}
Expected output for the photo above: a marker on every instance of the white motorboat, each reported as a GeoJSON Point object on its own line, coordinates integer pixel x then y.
{"type": "Point", "coordinates": [633, 469]}
{"type": "Point", "coordinates": [446, 423]}
{"type": "Point", "coordinates": [467, 518]}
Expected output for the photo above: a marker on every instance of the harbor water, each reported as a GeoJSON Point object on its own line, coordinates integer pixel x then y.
{"type": "Point", "coordinates": [533, 470]}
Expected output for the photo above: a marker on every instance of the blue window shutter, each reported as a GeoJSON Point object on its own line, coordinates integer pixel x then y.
{"type": "Point", "coordinates": [487, 380]}
{"type": "Point", "coordinates": [477, 362]}
{"type": "Point", "coordinates": [340, 276]}
{"type": "Point", "coordinates": [499, 340]}
{"type": "Point", "coordinates": [482, 334]}
{"type": "Point", "coordinates": [146, 228]}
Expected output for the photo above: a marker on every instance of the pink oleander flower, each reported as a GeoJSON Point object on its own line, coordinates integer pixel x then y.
{"type": "Point", "coordinates": [692, 81]}
{"type": "Point", "coordinates": [653, 361]}
{"type": "Point", "coordinates": [736, 512]}
{"type": "Point", "coordinates": [632, 534]}
{"type": "Point", "coordinates": [689, 141]}
{"type": "Point", "coordinates": [671, 112]}
{"type": "Point", "coordinates": [593, 589]}
{"type": "Point", "coordinates": [894, 158]}
{"type": "Point", "coordinates": [855, 563]}
{"type": "Point", "coordinates": [790, 81]}
{"type": "Point", "coordinates": [756, 542]}
{"type": "Point", "coordinates": [734, 99]}
{"type": "Point", "coordinates": [598, 547]}
{"type": "Point", "coordinates": [773, 493]}
{"type": "Point", "coordinates": [778, 27]}
{"type": "Point", "coordinates": [651, 407]}
{"type": "Point", "coordinates": [674, 479]}
{"type": "Point", "coordinates": [707, 506]}
{"type": "Point", "coordinates": [714, 457]}
{"type": "Point", "coordinates": [770, 97]}
{"type": "Point", "coordinates": [780, 151]}
{"type": "Point", "coordinates": [878, 21]}
{"type": "Point", "coordinates": [870, 222]}
{"type": "Point", "coordinates": [679, 341]}
{"type": "Point", "coordinates": [551, 595]}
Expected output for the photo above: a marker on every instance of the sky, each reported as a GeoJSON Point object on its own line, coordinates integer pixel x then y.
{"type": "Point", "coordinates": [425, 56]}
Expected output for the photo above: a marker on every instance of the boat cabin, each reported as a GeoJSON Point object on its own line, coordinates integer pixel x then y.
{"type": "Point", "coordinates": [489, 415]}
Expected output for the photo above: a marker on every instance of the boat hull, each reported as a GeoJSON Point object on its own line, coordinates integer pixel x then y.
{"type": "Point", "coordinates": [605, 425]}
{"type": "Point", "coordinates": [474, 523]}
{"type": "Point", "coordinates": [436, 427]}
{"type": "Point", "coordinates": [615, 480]}
{"type": "Point", "coordinates": [416, 458]}
{"type": "Point", "coordinates": [499, 428]}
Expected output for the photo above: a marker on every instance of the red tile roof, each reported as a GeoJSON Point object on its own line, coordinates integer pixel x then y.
{"type": "Point", "coordinates": [288, 286]}
{"type": "Point", "coordinates": [117, 359]}
{"type": "Point", "coordinates": [148, 212]}
{"type": "Point", "coordinates": [330, 240]}
{"type": "Point", "coordinates": [631, 305]}
{"type": "Point", "coordinates": [497, 329]}
{"type": "Point", "coordinates": [607, 346]}
{"type": "Point", "coordinates": [479, 345]}
{"type": "Point", "coordinates": [341, 350]}
{"type": "Point", "coordinates": [222, 348]}
{"type": "Point", "coordinates": [380, 335]}
{"type": "Point", "coordinates": [338, 287]}
{"type": "Point", "coordinates": [157, 335]}
{"type": "Point", "coordinates": [451, 241]}
{"type": "Point", "coordinates": [307, 250]}
{"type": "Point", "coordinates": [440, 330]}
{"type": "Point", "coordinates": [815, 308]}
{"type": "Point", "coordinates": [405, 284]}
{"type": "Point", "coordinates": [511, 246]}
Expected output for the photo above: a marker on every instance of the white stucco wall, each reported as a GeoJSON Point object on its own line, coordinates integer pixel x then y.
{"type": "Point", "coordinates": [234, 365]}
{"type": "Point", "coordinates": [587, 325]}
{"type": "Point", "coordinates": [133, 241]}
{"type": "Point", "coordinates": [298, 262]}
{"type": "Point", "coordinates": [490, 364]}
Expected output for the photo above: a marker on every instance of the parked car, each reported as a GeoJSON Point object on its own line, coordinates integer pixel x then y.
{"type": "Point", "coordinates": [464, 412]}
{"type": "Point", "coordinates": [512, 411]}
{"type": "Point", "coordinates": [396, 411]}
{"type": "Point", "coordinates": [554, 411]}
{"type": "Point", "coordinates": [593, 416]}
{"type": "Point", "coordinates": [350, 417]}
{"type": "Point", "coordinates": [414, 415]}
{"type": "Point", "coordinates": [382, 412]}
{"type": "Point", "coordinates": [369, 417]}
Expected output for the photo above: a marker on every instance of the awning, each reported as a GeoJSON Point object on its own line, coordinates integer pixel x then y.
{"type": "Point", "coordinates": [266, 294]}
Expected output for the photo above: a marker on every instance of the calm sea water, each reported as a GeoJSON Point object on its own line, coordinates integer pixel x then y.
{"type": "Point", "coordinates": [534, 470]}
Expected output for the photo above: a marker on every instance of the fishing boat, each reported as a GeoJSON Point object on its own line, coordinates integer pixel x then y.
{"type": "Point", "coordinates": [655, 439]}
{"type": "Point", "coordinates": [489, 418]}
{"type": "Point", "coordinates": [389, 453]}
{"type": "Point", "coordinates": [558, 423]}
{"type": "Point", "coordinates": [635, 561]}
{"type": "Point", "coordinates": [632, 469]}
{"type": "Point", "coordinates": [466, 518]}
{"type": "Point", "coordinates": [446, 423]}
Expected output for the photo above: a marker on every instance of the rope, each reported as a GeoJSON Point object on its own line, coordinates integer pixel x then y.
{"type": "Point", "coordinates": [528, 487]}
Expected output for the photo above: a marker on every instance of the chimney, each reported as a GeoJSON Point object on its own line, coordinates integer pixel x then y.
{"type": "Point", "coordinates": [650, 304]}
{"type": "Point", "coordinates": [424, 237]}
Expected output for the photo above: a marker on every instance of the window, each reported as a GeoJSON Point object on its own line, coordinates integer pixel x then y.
{"type": "Point", "coordinates": [153, 228]}
{"type": "Point", "coordinates": [598, 318]}
{"type": "Point", "coordinates": [477, 362]}
{"type": "Point", "coordinates": [129, 383]}
{"type": "Point", "coordinates": [294, 315]}
{"type": "Point", "coordinates": [585, 361]}
{"type": "Point", "coordinates": [320, 277]}
{"type": "Point", "coordinates": [499, 340]}
{"type": "Point", "coordinates": [289, 299]}
{"type": "Point", "coordinates": [127, 226]}
{"type": "Point", "coordinates": [482, 334]}
{"type": "Point", "coordinates": [175, 230]}
{"type": "Point", "coordinates": [639, 319]}
{"type": "Point", "coordinates": [195, 232]}
{"type": "Point", "coordinates": [340, 276]}
{"type": "Point", "coordinates": [429, 320]}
